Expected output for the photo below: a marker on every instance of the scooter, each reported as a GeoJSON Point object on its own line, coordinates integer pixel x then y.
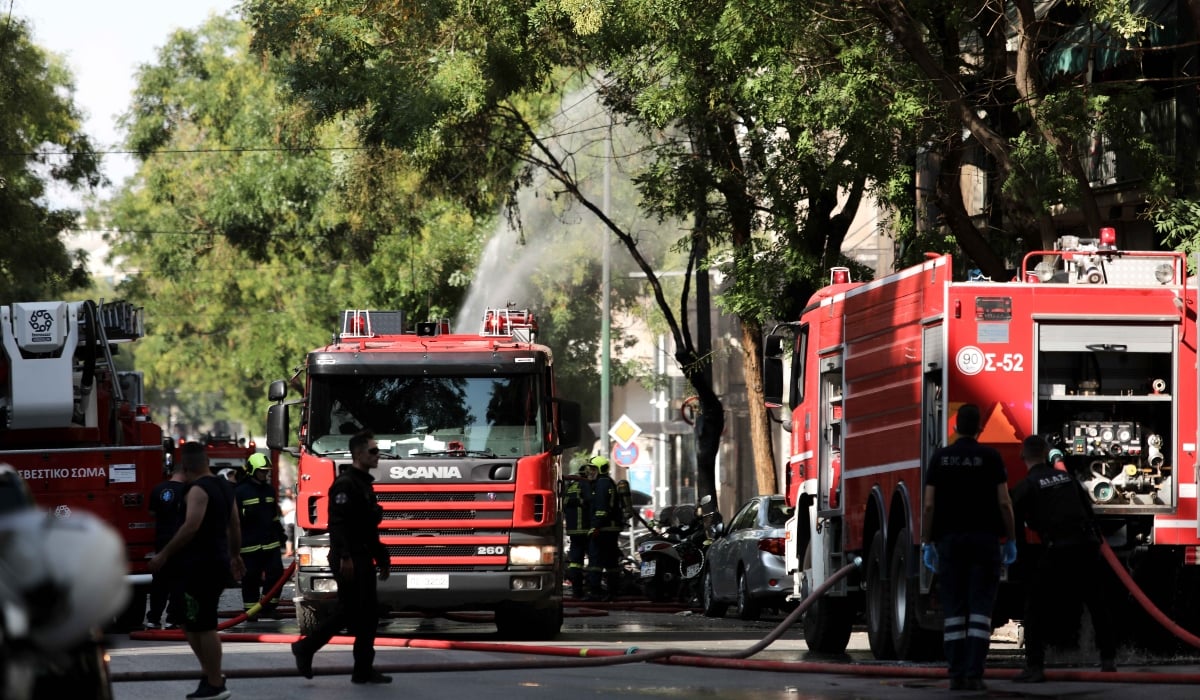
{"type": "Point", "coordinates": [671, 564]}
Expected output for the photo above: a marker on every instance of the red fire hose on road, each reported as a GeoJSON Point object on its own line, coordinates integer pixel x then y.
{"type": "Point", "coordinates": [568, 657]}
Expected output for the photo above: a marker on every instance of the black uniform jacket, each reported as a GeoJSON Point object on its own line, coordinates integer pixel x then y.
{"type": "Point", "coordinates": [354, 517]}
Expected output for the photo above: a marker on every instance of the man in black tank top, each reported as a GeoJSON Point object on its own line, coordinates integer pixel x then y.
{"type": "Point", "coordinates": [205, 551]}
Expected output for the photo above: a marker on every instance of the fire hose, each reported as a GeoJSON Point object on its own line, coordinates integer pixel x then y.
{"type": "Point", "coordinates": [573, 657]}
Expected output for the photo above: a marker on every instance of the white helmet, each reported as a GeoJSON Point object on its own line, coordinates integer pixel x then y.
{"type": "Point", "coordinates": [67, 575]}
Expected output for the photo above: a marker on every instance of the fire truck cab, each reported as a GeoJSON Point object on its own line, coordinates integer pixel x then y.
{"type": "Point", "coordinates": [471, 436]}
{"type": "Point", "coordinates": [1092, 347]}
{"type": "Point", "coordinates": [72, 425]}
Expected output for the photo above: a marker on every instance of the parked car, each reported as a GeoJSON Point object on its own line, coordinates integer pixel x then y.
{"type": "Point", "coordinates": [745, 566]}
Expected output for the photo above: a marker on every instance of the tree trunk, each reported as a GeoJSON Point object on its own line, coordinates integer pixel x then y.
{"type": "Point", "coordinates": [762, 446]}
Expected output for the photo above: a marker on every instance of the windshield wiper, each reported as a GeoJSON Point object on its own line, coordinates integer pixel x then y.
{"type": "Point", "coordinates": [454, 453]}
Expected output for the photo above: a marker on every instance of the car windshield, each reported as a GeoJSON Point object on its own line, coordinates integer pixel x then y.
{"type": "Point", "coordinates": [410, 416]}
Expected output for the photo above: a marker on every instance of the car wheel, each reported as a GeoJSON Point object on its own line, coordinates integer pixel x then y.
{"type": "Point", "coordinates": [747, 608]}
{"type": "Point", "coordinates": [711, 607]}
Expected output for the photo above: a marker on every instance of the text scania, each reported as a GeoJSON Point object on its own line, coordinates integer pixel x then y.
{"type": "Point", "coordinates": [425, 473]}
{"type": "Point", "coordinates": [64, 473]}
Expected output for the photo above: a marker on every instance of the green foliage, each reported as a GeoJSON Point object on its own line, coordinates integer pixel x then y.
{"type": "Point", "coordinates": [42, 147]}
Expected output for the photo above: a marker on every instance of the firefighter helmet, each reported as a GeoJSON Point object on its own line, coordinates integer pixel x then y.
{"type": "Point", "coordinates": [255, 462]}
{"type": "Point", "coordinates": [600, 462]}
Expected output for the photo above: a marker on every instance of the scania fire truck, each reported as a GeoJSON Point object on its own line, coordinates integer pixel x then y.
{"type": "Point", "coordinates": [70, 425]}
{"type": "Point", "coordinates": [470, 434]}
{"type": "Point", "coordinates": [1091, 346]}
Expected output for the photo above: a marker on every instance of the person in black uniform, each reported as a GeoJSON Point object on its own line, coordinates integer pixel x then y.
{"type": "Point", "coordinates": [166, 505]}
{"type": "Point", "coordinates": [262, 535]}
{"type": "Point", "coordinates": [1057, 508]}
{"type": "Point", "coordinates": [208, 546]}
{"type": "Point", "coordinates": [967, 509]}
{"type": "Point", "coordinates": [604, 554]}
{"type": "Point", "coordinates": [577, 522]}
{"type": "Point", "coordinates": [355, 552]}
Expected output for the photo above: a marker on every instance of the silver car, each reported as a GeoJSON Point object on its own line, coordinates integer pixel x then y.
{"type": "Point", "coordinates": [745, 564]}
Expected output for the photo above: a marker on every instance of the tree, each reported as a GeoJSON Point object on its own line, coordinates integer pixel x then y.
{"type": "Point", "coordinates": [41, 147]}
{"type": "Point", "coordinates": [748, 138]}
{"type": "Point", "coordinates": [251, 228]}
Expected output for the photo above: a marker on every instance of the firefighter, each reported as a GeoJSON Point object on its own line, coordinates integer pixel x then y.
{"type": "Point", "coordinates": [967, 509]}
{"type": "Point", "coordinates": [577, 522]}
{"type": "Point", "coordinates": [1057, 508]}
{"type": "Point", "coordinates": [262, 535]}
{"type": "Point", "coordinates": [604, 555]}
{"type": "Point", "coordinates": [355, 554]}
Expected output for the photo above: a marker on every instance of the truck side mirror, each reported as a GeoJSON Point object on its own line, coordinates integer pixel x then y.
{"type": "Point", "coordinates": [277, 426]}
{"type": "Point", "coordinates": [277, 391]}
{"type": "Point", "coordinates": [772, 369]}
{"type": "Point", "coordinates": [570, 423]}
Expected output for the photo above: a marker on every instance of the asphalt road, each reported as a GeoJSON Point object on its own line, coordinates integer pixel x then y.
{"type": "Point", "coordinates": [427, 659]}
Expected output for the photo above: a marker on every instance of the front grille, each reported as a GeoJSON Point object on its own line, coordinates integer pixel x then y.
{"type": "Point", "coordinates": [399, 532]}
{"type": "Point", "coordinates": [409, 568]}
{"type": "Point", "coordinates": [409, 496]}
{"type": "Point", "coordinates": [419, 550]}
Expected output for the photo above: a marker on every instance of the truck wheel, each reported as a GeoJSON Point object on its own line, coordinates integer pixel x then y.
{"type": "Point", "coordinates": [711, 607]}
{"type": "Point", "coordinates": [80, 673]}
{"type": "Point", "coordinates": [309, 618]}
{"type": "Point", "coordinates": [910, 641]}
{"type": "Point", "coordinates": [529, 623]}
{"type": "Point", "coordinates": [879, 601]}
{"type": "Point", "coordinates": [828, 621]}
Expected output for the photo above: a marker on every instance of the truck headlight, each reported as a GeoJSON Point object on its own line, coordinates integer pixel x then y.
{"type": "Point", "coordinates": [529, 555]}
{"type": "Point", "coordinates": [312, 556]}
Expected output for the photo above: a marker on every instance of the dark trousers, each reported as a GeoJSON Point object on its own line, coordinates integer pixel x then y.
{"type": "Point", "coordinates": [357, 613]}
{"type": "Point", "coordinates": [575, 556]}
{"type": "Point", "coordinates": [1067, 570]}
{"type": "Point", "coordinates": [264, 568]}
{"type": "Point", "coordinates": [968, 578]}
{"type": "Point", "coordinates": [604, 557]}
{"type": "Point", "coordinates": [164, 587]}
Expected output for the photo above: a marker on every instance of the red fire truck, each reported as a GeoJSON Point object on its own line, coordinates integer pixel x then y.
{"type": "Point", "coordinates": [227, 451]}
{"type": "Point", "coordinates": [1093, 348]}
{"type": "Point", "coordinates": [471, 437]}
{"type": "Point", "coordinates": [72, 425]}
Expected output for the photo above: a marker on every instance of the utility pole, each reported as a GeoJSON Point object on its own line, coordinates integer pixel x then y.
{"type": "Point", "coordinates": [605, 305]}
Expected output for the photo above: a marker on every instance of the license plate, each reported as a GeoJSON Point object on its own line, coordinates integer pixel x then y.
{"type": "Point", "coordinates": [427, 581]}
{"type": "Point", "coordinates": [648, 569]}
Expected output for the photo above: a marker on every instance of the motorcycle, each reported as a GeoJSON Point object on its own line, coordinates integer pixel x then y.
{"type": "Point", "coordinates": [671, 564]}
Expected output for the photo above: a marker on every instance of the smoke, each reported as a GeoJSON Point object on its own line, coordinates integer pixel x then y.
{"type": "Point", "coordinates": [553, 227]}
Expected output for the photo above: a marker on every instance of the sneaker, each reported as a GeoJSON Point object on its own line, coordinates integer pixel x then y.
{"type": "Point", "coordinates": [375, 677]}
{"type": "Point", "coordinates": [209, 692]}
{"type": "Point", "coordinates": [1032, 674]}
{"type": "Point", "coordinates": [151, 625]}
{"type": "Point", "coordinates": [303, 660]}
{"type": "Point", "coordinates": [170, 626]}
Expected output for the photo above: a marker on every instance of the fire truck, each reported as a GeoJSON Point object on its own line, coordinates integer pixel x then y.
{"type": "Point", "coordinates": [227, 451]}
{"type": "Point", "coordinates": [70, 425]}
{"type": "Point", "coordinates": [1090, 346]}
{"type": "Point", "coordinates": [471, 436]}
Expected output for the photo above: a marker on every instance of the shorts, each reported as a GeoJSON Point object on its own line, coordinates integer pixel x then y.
{"type": "Point", "coordinates": [201, 596]}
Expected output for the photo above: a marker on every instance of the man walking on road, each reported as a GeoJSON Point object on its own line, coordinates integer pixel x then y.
{"type": "Point", "coordinates": [208, 546]}
{"type": "Point", "coordinates": [604, 553]}
{"type": "Point", "coordinates": [967, 510]}
{"type": "Point", "coordinates": [355, 553]}
{"type": "Point", "coordinates": [166, 505]}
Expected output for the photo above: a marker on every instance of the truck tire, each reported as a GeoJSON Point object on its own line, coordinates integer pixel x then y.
{"type": "Point", "coordinates": [828, 621]}
{"type": "Point", "coordinates": [309, 618]}
{"type": "Point", "coordinates": [528, 622]}
{"type": "Point", "coordinates": [910, 641]}
{"type": "Point", "coordinates": [81, 673]}
{"type": "Point", "coordinates": [879, 600]}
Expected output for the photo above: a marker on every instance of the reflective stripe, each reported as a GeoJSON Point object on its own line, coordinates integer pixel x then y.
{"type": "Point", "coordinates": [954, 636]}
{"type": "Point", "coordinates": [979, 634]}
{"type": "Point", "coordinates": [981, 620]}
{"type": "Point", "coordinates": [951, 621]}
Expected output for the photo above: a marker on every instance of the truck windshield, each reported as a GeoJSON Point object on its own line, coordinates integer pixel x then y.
{"type": "Point", "coordinates": [501, 415]}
